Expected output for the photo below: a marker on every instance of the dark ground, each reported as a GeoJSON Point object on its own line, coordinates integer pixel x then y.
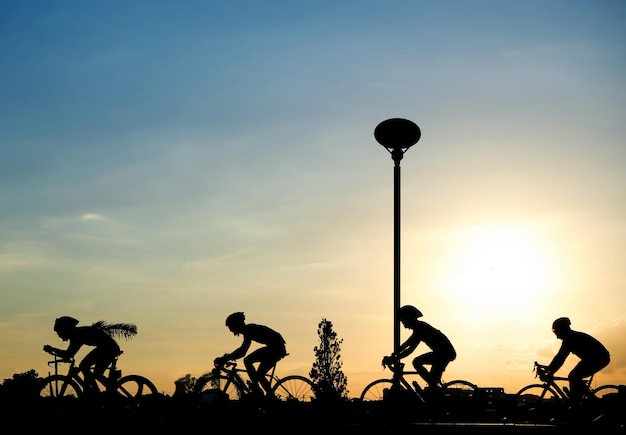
{"type": "Point", "coordinates": [191, 415]}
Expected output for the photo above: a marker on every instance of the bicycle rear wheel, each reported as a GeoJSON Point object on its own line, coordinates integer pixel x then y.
{"type": "Point", "coordinates": [60, 386]}
{"type": "Point", "coordinates": [135, 387]}
{"type": "Point", "coordinates": [538, 403]}
{"type": "Point", "coordinates": [213, 387]}
{"type": "Point", "coordinates": [606, 391]}
{"type": "Point", "coordinates": [294, 388]}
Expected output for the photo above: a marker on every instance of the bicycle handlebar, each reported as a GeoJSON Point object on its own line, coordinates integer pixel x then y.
{"type": "Point", "coordinates": [219, 363]}
{"type": "Point", "coordinates": [393, 363]}
{"type": "Point", "coordinates": [541, 372]}
{"type": "Point", "coordinates": [57, 358]}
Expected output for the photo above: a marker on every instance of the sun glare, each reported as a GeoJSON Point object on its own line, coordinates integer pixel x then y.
{"type": "Point", "coordinates": [498, 268]}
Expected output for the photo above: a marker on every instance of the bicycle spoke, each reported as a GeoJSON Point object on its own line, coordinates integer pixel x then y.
{"type": "Point", "coordinates": [538, 404]}
{"type": "Point", "coordinates": [294, 387]}
{"type": "Point", "coordinates": [376, 390]}
{"type": "Point", "coordinates": [215, 387]}
{"type": "Point", "coordinates": [60, 386]}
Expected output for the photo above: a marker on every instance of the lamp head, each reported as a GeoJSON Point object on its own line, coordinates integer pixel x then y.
{"type": "Point", "coordinates": [397, 134]}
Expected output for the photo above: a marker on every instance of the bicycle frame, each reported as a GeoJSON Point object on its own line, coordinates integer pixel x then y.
{"type": "Point", "coordinates": [238, 377]}
{"type": "Point", "coordinates": [74, 373]}
{"type": "Point", "coordinates": [550, 383]}
{"type": "Point", "coordinates": [399, 377]}
{"type": "Point", "coordinates": [399, 382]}
{"type": "Point", "coordinates": [548, 401]}
{"type": "Point", "coordinates": [229, 382]}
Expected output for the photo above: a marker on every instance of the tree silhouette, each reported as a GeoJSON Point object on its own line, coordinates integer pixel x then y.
{"type": "Point", "coordinates": [330, 383]}
{"type": "Point", "coordinates": [21, 387]}
{"type": "Point", "coordinates": [184, 386]}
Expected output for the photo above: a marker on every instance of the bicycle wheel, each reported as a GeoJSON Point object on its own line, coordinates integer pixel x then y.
{"type": "Point", "coordinates": [294, 388]}
{"type": "Point", "coordinates": [60, 386]}
{"type": "Point", "coordinates": [376, 390]}
{"type": "Point", "coordinates": [135, 387]}
{"type": "Point", "coordinates": [213, 387]}
{"type": "Point", "coordinates": [606, 391]}
{"type": "Point", "coordinates": [538, 403]}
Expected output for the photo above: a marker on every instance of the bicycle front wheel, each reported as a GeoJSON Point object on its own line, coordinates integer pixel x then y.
{"type": "Point", "coordinates": [294, 388]}
{"type": "Point", "coordinates": [60, 386]}
{"type": "Point", "coordinates": [135, 387]}
{"type": "Point", "coordinates": [376, 390]}
{"type": "Point", "coordinates": [538, 403]}
{"type": "Point", "coordinates": [215, 387]}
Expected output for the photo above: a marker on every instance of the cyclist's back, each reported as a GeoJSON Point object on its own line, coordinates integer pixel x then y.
{"type": "Point", "coordinates": [584, 346]}
{"type": "Point", "coordinates": [432, 337]}
{"type": "Point", "coordinates": [263, 335]}
{"type": "Point", "coordinates": [93, 336]}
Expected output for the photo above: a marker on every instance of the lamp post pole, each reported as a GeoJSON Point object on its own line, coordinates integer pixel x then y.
{"type": "Point", "coordinates": [397, 135]}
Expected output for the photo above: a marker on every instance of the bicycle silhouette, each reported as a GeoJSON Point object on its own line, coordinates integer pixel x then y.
{"type": "Point", "coordinates": [233, 383]}
{"type": "Point", "coordinates": [73, 384]}
{"type": "Point", "coordinates": [549, 401]}
{"type": "Point", "coordinates": [404, 384]}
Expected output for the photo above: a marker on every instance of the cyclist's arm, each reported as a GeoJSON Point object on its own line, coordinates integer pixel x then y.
{"type": "Point", "coordinates": [558, 359]}
{"type": "Point", "coordinates": [240, 351]}
{"type": "Point", "coordinates": [408, 347]}
{"type": "Point", "coordinates": [56, 351]}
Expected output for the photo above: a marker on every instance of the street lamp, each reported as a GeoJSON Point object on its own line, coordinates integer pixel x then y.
{"type": "Point", "coordinates": [397, 135]}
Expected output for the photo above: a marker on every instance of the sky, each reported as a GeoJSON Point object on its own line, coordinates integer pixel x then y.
{"type": "Point", "coordinates": [168, 163]}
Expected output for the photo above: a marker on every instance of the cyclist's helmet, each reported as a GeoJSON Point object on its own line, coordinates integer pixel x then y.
{"type": "Point", "coordinates": [561, 324]}
{"type": "Point", "coordinates": [64, 324]}
{"type": "Point", "coordinates": [235, 319]}
{"type": "Point", "coordinates": [409, 312]}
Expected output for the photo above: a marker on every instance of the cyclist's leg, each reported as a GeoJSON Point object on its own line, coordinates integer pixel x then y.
{"type": "Point", "coordinates": [436, 371]}
{"type": "Point", "coordinates": [267, 358]}
{"type": "Point", "coordinates": [262, 369]}
{"type": "Point", "coordinates": [419, 362]}
{"type": "Point", "coordinates": [255, 374]}
{"type": "Point", "coordinates": [90, 360]}
{"type": "Point", "coordinates": [584, 369]}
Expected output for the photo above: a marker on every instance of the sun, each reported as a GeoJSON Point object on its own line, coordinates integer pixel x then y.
{"type": "Point", "coordinates": [498, 267]}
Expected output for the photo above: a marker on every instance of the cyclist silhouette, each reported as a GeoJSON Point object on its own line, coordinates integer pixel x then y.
{"type": "Point", "coordinates": [593, 355]}
{"type": "Point", "coordinates": [441, 354]}
{"type": "Point", "coordinates": [99, 335]}
{"type": "Point", "coordinates": [267, 356]}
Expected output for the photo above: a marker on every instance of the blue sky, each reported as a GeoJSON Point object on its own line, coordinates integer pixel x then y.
{"type": "Point", "coordinates": [167, 163]}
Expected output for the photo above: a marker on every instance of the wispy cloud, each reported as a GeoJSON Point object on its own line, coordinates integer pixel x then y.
{"type": "Point", "coordinates": [12, 261]}
{"type": "Point", "coordinates": [92, 217]}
